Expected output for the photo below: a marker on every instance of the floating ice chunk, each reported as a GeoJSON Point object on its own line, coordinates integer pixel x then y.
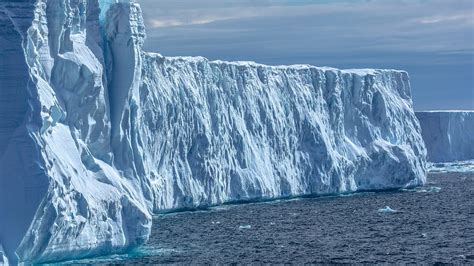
{"type": "Point", "coordinates": [220, 208]}
{"type": "Point", "coordinates": [387, 209]}
{"type": "Point", "coordinates": [453, 167]}
{"type": "Point", "coordinates": [429, 190]}
{"type": "Point", "coordinates": [242, 227]}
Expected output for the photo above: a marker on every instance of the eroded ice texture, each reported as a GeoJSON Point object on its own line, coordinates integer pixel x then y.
{"type": "Point", "coordinates": [236, 131]}
{"type": "Point", "coordinates": [448, 135]}
{"type": "Point", "coordinates": [96, 135]}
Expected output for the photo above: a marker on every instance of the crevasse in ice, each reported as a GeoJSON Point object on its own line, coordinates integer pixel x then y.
{"type": "Point", "coordinates": [96, 134]}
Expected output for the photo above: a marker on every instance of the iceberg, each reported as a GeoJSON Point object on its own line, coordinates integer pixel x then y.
{"type": "Point", "coordinates": [96, 135]}
{"type": "Point", "coordinates": [448, 135]}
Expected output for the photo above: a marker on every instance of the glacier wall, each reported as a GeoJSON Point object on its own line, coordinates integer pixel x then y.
{"type": "Point", "coordinates": [96, 134]}
{"type": "Point", "coordinates": [218, 131]}
{"type": "Point", "coordinates": [23, 182]}
{"type": "Point", "coordinates": [57, 163]}
{"type": "Point", "coordinates": [448, 135]}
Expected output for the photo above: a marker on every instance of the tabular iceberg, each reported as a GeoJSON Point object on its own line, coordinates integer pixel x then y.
{"type": "Point", "coordinates": [448, 135]}
{"type": "Point", "coordinates": [96, 134]}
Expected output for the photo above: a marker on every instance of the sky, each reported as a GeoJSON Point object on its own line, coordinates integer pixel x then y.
{"type": "Point", "coordinates": [431, 39]}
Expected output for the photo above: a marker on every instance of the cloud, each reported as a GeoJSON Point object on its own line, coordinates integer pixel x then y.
{"type": "Point", "coordinates": [188, 17]}
{"type": "Point", "coordinates": [155, 23]}
{"type": "Point", "coordinates": [433, 39]}
{"type": "Point", "coordinates": [465, 17]}
{"type": "Point", "coordinates": [433, 26]}
{"type": "Point", "coordinates": [172, 13]}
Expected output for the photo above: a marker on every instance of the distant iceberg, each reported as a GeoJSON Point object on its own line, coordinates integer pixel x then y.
{"type": "Point", "coordinates": [96, 135]}
{"type": "Point", "coordinates": [448, 135]}
{"type": "Point", "coordinates": [452, 167]}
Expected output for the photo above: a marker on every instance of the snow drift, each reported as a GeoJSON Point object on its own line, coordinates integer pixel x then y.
{"type": "Point", "coordinates": [96, 135]}
{"type": "Point", "coordinates": [448, 135]}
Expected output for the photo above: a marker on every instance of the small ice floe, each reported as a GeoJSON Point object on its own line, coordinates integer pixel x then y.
{"type": "Point", "coordinates": [434, 189]}
{"type": "Point", "coordinates": [220, 208]}
{"type": "Point", "coordinates": [454, 167]}
{"type": "Point", "coordinates": [429, 190]}
{"type": "Point", "coordinates": [387, 209]}
{"type": "Point", "coordinates": [424, 235]}
{"type": "Point", "coordinates": [244, 227]}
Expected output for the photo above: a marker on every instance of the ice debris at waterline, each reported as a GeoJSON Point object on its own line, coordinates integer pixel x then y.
{"type": "Point", "coordinates": [449, 135]}
{"type": "Point", "coordinates": [96, 135]}
{"type": "Point", "coordinates": [136, 253]}
{"type": "Point", "coordinates": [387, 209]}
{"type": "Point", "coordinates": [424, 189]}
{"type": "Point", "coordinates": [243, 227]}
{"type": "Point", "coordinates": [430, 190]}
{"type": "Point", "coordinates": [452, 167]}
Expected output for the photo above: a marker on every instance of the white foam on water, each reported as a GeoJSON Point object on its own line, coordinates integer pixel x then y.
{"type": "Point", "coordinates": [245, 227]}
{"type": "Point", "coordinates": [387, 209]}
{"type": "Point", "coordinates": [141, 252]}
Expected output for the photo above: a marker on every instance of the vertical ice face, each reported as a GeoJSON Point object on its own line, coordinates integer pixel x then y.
{"type": "Point", "coordinates": [57, 161]}
{"type": "Point", "coordinates": [125, 34]}
{"type": "Point", "coordinates": [215, 132]}
{"type": "Point", "coordinates": [104, 6]}
{"type": "Point", "coordinates": [23, 180]}
{"type": "Point", "coordinates": [449, 135]}
{"type": "Point", "coordinates": [96, 135]}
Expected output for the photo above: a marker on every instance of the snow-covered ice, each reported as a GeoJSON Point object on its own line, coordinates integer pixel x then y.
{"type": "Point", "coordinates": [448, 135]}
{"type": "Point", "coordinates": [96, 135]}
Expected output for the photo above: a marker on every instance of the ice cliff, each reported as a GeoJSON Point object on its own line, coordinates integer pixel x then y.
{"type": "Point", "coordinates": [449, 135]}
{"type": "Point", "coordinates": [96, 135]}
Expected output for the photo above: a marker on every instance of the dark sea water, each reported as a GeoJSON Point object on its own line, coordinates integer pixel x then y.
{"type": "Point", "coordinates": [433, 224]}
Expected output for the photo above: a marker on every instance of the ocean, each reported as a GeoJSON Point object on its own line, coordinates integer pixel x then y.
{"type": "Point", "coordinates": [432, 224]}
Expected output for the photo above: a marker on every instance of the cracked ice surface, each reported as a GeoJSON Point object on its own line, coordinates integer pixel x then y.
{"type": "Point", "coordinates": [96, 135]}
